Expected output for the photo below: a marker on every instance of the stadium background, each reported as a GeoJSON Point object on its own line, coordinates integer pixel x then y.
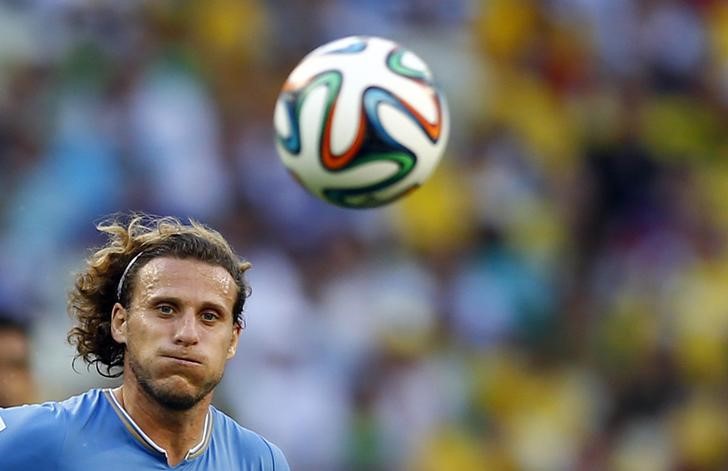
{"type": "Point", "coordinates": [553, 299]}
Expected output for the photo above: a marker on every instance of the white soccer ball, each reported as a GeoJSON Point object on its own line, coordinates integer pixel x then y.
{"type": "Point", "coordinates": [360, 122]}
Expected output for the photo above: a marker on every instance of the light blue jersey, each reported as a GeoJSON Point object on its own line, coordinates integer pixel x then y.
{"type": "Point", "coordinates": [93, 432]}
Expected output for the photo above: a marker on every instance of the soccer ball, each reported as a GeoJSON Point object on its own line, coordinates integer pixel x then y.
{"type": "Point", "coordinates": [360, 122]}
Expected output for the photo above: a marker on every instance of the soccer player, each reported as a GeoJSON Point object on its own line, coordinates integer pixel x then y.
{"type": "Point", "coordinates": [16, 378]}
{"type": "Point", "coordinates": [163, 302]}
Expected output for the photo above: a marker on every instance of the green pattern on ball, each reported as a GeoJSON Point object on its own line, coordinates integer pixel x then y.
{"type": "Point", "coordinates": [394, 63]}
{"type": "Point", "coordinates": [362, 197]}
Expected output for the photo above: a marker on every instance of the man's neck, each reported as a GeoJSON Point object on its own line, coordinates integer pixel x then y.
{"type": "Point", "coordinates": [174, 431]}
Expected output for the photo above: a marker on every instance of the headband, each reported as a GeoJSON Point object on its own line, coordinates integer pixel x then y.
{"type": "Point", "coordinates": [123, 275]}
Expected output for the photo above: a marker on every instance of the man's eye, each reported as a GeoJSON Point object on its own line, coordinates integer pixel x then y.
{"type": "Point", "coordinates": [209, 316]}
{"type": "Point", "coordinates": [166, 309]}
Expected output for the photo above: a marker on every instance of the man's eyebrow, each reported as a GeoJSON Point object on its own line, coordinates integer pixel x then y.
{"type": "Point", "coordinates": [158, 298]}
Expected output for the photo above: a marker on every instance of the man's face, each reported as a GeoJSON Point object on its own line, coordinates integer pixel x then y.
{"type": "Point", "coordinates": [16, 381]}
{"type": "Point", "coordinates": [178, 330]}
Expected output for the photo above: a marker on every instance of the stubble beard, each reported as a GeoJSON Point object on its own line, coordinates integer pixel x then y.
{"type": "Point", "coordinates": [165, 396]}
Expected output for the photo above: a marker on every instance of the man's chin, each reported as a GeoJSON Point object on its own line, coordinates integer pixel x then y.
{"type": "Point", "coordinates": [175, 394]}
{"type": "Point", "coordinates": [176, 390]}
{"type": "Point", "coordinates": [178, 402]}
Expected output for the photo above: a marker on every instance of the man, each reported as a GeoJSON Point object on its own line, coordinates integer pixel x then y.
{"type": "Point", "coordinates": [163, 301]}
{"type": "Point", "coordinates": [16, 378]}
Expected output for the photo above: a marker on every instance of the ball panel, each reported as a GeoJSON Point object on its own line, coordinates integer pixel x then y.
{"type": "Point", "coordinates": [348, 45]}
{"type": "Point", "coordinates": [405, 63]}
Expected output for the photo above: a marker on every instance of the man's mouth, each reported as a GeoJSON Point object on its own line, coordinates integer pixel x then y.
{"type": "Point", "coordinates": [182, 360]}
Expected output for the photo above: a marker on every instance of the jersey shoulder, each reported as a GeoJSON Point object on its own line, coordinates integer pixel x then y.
{"type": "Point", "coordinates": [29, 420]}
{"type": "Point", "coordinates": [45, 426]}
{"type": "Point", "coordinates": [252, 446]}
{"type": "Point", "coordinates": [48, 417]}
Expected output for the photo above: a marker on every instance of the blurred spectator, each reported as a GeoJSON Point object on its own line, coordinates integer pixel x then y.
{"type": "Point", "coordinates": [17, 385]}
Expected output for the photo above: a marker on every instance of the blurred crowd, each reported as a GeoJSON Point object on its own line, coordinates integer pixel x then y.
{"type": "Point", "coordinates": [554, 298]}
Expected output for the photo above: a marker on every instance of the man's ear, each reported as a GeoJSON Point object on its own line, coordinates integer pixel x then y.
{"type": "Point", "coordinates": [119, 316]}
{"type": "Point", "coordinates": [233, 347]}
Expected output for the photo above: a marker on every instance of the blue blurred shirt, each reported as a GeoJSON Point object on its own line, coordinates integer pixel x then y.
{"type": "Point", "coordinates": [92, 431]}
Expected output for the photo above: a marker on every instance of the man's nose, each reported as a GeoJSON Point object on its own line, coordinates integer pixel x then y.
{"type": "Point", "coordinates": [187, 330]}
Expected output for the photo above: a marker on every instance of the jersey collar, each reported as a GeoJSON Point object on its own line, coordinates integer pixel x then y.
{"type": "Point", "coordinates": [147, 442]}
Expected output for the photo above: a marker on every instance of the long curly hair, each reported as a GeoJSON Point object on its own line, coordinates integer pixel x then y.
{"type": "Point", "coordinates": [110, 272]}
